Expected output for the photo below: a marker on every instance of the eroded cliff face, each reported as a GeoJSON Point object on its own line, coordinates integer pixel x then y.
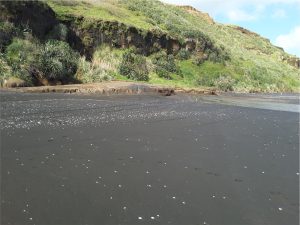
{"type": "Point", "coordinates": [88, 34]}
{"type": "Point", "coordinates": [33, 15]}
{"type": "Point", "coordinates": [85, 35]}
{"type": "Point", "coordinates": [294, 61]}
{"type": "Point", "coordinates": [91, 34]}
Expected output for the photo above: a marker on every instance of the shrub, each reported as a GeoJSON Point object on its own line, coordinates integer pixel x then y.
{"type": "Point", "coordinates": [106, 58]}
{"type": "Point", "coordinates": [205, 80]}
{"type": "Point", "coordinates": [165, 65]}
{"type": "Point", "coordinates": [89, 73]}
{"type": "Point", "coordinates": [54, 61]}
{"type": "Point", "coordinates": [134, 66]}
{"type": "Point", "coordinates": [224, 83]}
{"type": "Point", "coordinates": [22, 56]}
{"type": "Point", "coordinates": [183, 54]}
{"type": "Point", "coordinates": [7, 32]}
{"type": "Point", "coordinates": [104, 65]}
{"type": "Point", "coordinates": [217, 55]}
{"type": "Point", "coordinates": [5, 70]}
{"type": "Point", "coordinates": [200, 59]}
{"type": "Point", "coordinates": [21, 52]}
{"type": "Point", "coordinates": [57, 60]}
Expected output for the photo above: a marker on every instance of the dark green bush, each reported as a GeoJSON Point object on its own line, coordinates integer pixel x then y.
{"type": "Point", "coordinates": [7, 32]}
{"type": "Point", "coordinates": [134, 66]}
{"type": "Point", "coordinates": [200, 59]}
{"type": "Point", "coordinates": [217, 55]}
{"type": "Point", "coordinates": [22, 57]}
{"type": "Point", "coordinates": [57, 60]}
{"type": "Point", "coordinates": [54, 60]}
{"type": "Point", "coordinates": [183, 54]}
{"type": "Point", "coordinates": [165, 65]}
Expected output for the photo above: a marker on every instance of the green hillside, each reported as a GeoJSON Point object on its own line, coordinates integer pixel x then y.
{"type": "Point", "coordinates": [146, 40]}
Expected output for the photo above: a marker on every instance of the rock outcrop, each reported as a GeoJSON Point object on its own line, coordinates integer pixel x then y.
{"type": "Point", "coordinates": [294, 61]}
{"type": "Point", "coordinates": [192, 10]}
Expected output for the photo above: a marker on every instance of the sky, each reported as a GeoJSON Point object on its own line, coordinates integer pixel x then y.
{"type": "Point", "coordinates": [277, 20]}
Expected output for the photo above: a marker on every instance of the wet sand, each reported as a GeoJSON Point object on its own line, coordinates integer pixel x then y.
{"type": "Point", "coordinates": [76, 160]}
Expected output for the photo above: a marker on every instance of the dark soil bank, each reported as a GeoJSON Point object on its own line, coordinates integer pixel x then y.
{"type": "Point", "coordinates": [68, 159]}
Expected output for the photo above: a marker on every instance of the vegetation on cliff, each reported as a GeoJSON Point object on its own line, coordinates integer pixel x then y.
{"type": "Point", "coordinates": [146, 40]}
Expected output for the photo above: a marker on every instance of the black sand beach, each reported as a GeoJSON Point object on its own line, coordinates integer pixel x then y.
{"type": "Point", "coordinates": [181, 160]}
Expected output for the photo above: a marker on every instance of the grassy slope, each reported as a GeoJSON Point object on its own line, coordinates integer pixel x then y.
{"type": "Point", "coordinates": [255, 63]}
{"type": "Point", "coordinates": [108, 10]}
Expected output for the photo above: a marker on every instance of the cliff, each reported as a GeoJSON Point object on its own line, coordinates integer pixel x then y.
{"type": "Point", "coordinates": [151, 27]}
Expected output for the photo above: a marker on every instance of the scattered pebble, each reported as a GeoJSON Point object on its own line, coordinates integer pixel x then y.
{"type": "Point", "coordinates": [280, 209]}
{"type": "Point", "coordinates": [140, 218]}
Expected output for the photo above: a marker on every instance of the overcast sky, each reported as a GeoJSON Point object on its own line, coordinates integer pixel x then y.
{"type": "Point", "coordinates": [278, 20]}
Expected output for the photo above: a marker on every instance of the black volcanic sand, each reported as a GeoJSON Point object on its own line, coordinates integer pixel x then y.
{"type": "Point", "coordinates": [85, 160]}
